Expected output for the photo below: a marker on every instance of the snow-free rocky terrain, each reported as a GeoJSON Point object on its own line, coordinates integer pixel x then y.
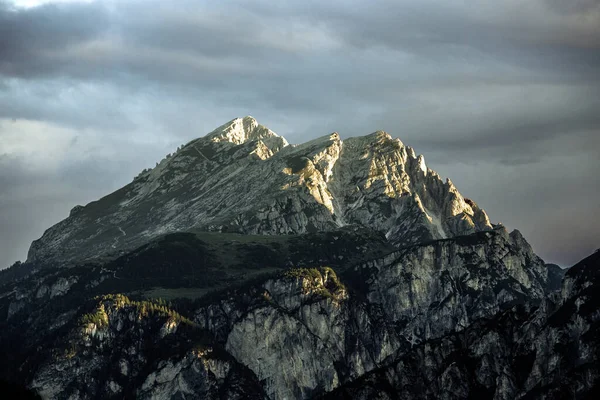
{"type": "Point", "coordinates": [244, 178]}
{"type": "Point", "coordinates": [245, 267]}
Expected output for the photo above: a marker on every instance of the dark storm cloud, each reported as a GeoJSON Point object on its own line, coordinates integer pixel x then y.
{"type": "Point", "coordinates": [311, 56]}
{"type": "Point", "coordinates": [30, 40]}
{"type": "Point", "coordinates": [503, 87]}
{"type": "Point", "coordinates": [65, 102]}
{"type": "Point", "coordinates": [136, 40]}
{"type": "Point", "coordinates": [515, 119]}
{"type": "Point", "coordinates": [257, 39]}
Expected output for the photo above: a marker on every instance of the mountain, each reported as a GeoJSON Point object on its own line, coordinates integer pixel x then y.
{"type": "Point", "coordinates": [278, 332]}
{"type": "Point", "coordinates": [459, 317]}
{"type": "Point", "coordinates": [242, 177]}
{"type": "Point", "coordinates": [548, 352]}
{"type": "Point", "coordinates": [243, 267]}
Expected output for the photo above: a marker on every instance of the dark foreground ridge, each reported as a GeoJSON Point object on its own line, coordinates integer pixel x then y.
{"type": "Point", "coordinates": [449, 319]}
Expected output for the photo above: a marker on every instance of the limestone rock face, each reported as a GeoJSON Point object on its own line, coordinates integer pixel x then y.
{"type": "Point", "coordinates": [305, 341]}
{"type": "Point", "coordinates": [455, 318]}
{"type": "Point", "coordinates": [242, 177]}
{"type": "Point", "coordinates": [108, 357]}
{"type": "Point", "coordinates": [524, 352]}
{"type": "Point", "coordinates": [380, 182]}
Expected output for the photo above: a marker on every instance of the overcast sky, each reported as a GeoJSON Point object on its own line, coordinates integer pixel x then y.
{"type": "Point", "coordinates": [501, 96]}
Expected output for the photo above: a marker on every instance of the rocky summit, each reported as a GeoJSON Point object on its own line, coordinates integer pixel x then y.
{"type": "Point", "coordinates": [244, 267]}
{"type": "Point", "coordinates": [244, 178]}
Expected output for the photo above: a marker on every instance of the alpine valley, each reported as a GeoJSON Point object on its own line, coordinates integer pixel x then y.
{"type": "Point", "coordinates": [244, 267]}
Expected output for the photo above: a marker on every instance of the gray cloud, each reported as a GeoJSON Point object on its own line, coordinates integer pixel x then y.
{"type": "Point", "coordinates": [30, 39]}
{"type": "Point", "coordinates": [498, 92]}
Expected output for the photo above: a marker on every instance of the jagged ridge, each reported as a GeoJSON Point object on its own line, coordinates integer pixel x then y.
{"type": "Point", "coordinates": [243, 177]}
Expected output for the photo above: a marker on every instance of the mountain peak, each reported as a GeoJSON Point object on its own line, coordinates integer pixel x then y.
{"type": "Point", "coordinates": [243, 177]}
{"type": "Point", "coordinates": [241, 130]}
{"type": "Point", "coordinates": [381, 134]}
